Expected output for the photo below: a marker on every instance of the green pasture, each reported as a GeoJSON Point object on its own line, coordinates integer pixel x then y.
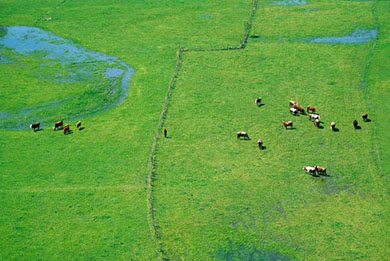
{"type": "Point", "coordinates": [220, 197]}
{"type": "Point", "coordinates": [84, 196]}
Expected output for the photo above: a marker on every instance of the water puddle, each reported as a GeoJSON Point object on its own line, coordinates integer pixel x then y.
{"type": "Point", "coordinates": [359, 36]}
{"type": "Point", "coordinates": [241, 252]}
{"type": "Point", "coordinates": [206, 16]}
{"type": "Point", "coordinates": [311, 10]}
{"type": "Point", "coordinates": [290, 2]}
{"type": "Point", "coordinates": [104, 79]}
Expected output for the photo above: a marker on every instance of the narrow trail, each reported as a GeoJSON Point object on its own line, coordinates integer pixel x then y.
{"type": "Point", "coordinates": [150, 172]}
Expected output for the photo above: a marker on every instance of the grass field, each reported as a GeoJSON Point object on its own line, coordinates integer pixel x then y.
{"type": "Point", "coordinates": [84, 195]}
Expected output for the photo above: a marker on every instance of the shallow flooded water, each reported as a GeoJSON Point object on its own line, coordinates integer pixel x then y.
{"type": "Point", "coordinates": [358, 36]}
{"type": "Point", "coordinates": [290, 2]}
{"type": "Point", "coordinates": [106, 78]}
{"type": "Point", "coordinates": [206, 16]}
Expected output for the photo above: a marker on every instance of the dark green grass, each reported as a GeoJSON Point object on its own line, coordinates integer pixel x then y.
{"type": "Point", "coordinates": [215, 194]}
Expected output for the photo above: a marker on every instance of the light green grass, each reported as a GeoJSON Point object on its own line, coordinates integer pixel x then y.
{"type": "Point", "coordinates": [213, 190]}
{"type": "Point", "coordinates": [327, 18]}
{"type": "Point", "coordinates": [82, 196]}
{"type": "Point", "coordinates": [113, 148]}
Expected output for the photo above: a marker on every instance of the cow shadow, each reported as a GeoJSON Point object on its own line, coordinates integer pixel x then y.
{"type": "Point", "coordinates": [336, 129]}
{"type": "Point", "coordinates": [40, 129]}
{"type": "Point", "coordinates": [260, 105]}
{"type": "Point", "coordinates": [320, 127]}
{"type": "Point", "coordinates": [263, 148]}
{"type": "Point", "coordinates": [69, 132]}
{"type": "Point", "coordinates": [358, 128]}
{"type": "Point", "coordinates": [292, 128]}
{"type": "Point", "coordinates": [367, 120]}
{"type": "Point", "coordinates": [81, 128]}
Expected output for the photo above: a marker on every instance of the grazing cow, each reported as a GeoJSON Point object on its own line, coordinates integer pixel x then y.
{"type": "Point", "coordinates": [242, 134]}
{"type": "Point", "coordinates": [299, 108]}
{"type": "Point", "coordinates": [320, 170]}
{"type": "Point", "coordinates": [311, 108]}
{"type": "Point", "coordinates": [287, 124]}
{"type": "Point", "coordinates": [293, 111]}
{"type": "Point", "coordinates": [364, 116]}
{"type": "Point", "coordinates": [58, 124]}
{"type": "Point", "coordinates": [313, 116]}
{"type": "Point", "coordinates": [35, 125]}
{"type": "Point", "coordinates": [310, 170]}
{"type": "Point", "coordinates": [292, 103]}
{"type": "Point", "coordinates": [333, 126]}
{"type": "Point", "coordinates": [258, 101]}
{"type": "Point", "coordinates": [317, 123]}
{"type": "Point", "coordinates": [260, 143]}
{"type": "Point", "coordinates": [355, 124]}
{"type": "Point", "coordinates": [78, 125]}
{"type": "Point", "coordinates": [66, 129]}
{"type": "Point", "coordinates": [165, 133]}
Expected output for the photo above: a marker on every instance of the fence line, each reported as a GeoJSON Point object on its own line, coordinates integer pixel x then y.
{"type": "Point", "coordinates": [150, 172]}
{"type": "Point", "coordinates": [151, 163]}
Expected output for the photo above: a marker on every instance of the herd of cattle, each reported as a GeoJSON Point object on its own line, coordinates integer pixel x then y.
{"type": "Point", "coordinates": [295, 108]}
{"type": "Point", "coordinates": [57, 126]}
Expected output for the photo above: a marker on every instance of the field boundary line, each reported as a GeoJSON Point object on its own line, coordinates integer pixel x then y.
{"type": "Point", "coordinates": [364, 84]}
{"type": "Point", "coordinates": [151, 172]}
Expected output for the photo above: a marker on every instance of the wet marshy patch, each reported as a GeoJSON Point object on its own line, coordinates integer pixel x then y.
{"type": "Point", "coordinates": [332, 185]}
{"type": "Point", "coordinates": [206, 16]}
{"type": "Point", "coordinates": [290, 2]}
{"type": "Point", "coordinates": [100, 81]}
{"type": "Point", "coordinates": [242, 252]}
{"type": "Point", "coordinates": [358, 36]}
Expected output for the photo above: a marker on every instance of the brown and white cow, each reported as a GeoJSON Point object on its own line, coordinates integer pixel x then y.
{"type": "Point", "coordinates": [242, 134]}
{"type": "Point", "coordinates": [78, 125]}
{"type": "Point", "coordinates": [287, 124]}
{"type": "Point", "coordinates": [311, 108]}
{"type": "Point", "coordinates": [293, 111]}
{"type": "Point", "coordinates": [260, 144]}
{"type": "Point", "coordinates": [317, 123]}
{"type": "Point", "coordinates": [333, 125]}
{"type": "Point", "coordinates": [365, 116]}
{"type": "Point", "coordinates": [58, 124]}
{"type": "Point", "coordinates": [292, 103]}
{"type": "Point", "coordinates": [35, 125]}
{"type": "Point", "coordinates": [258, 101]}
{"type": "Point", "coordinates": [313, 116]}
{"type": "Point", "coordinates": [309, 170]}
{"type": "Point", "coordinates": [66, 129]}
{"type": "Point", "coordinates": [320, 170]}
{"type": "Point", "coordinates": [299, 108]}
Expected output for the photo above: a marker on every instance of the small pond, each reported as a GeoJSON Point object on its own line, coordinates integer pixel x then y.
{"type": "Point", "coordinates": [104, 80]}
